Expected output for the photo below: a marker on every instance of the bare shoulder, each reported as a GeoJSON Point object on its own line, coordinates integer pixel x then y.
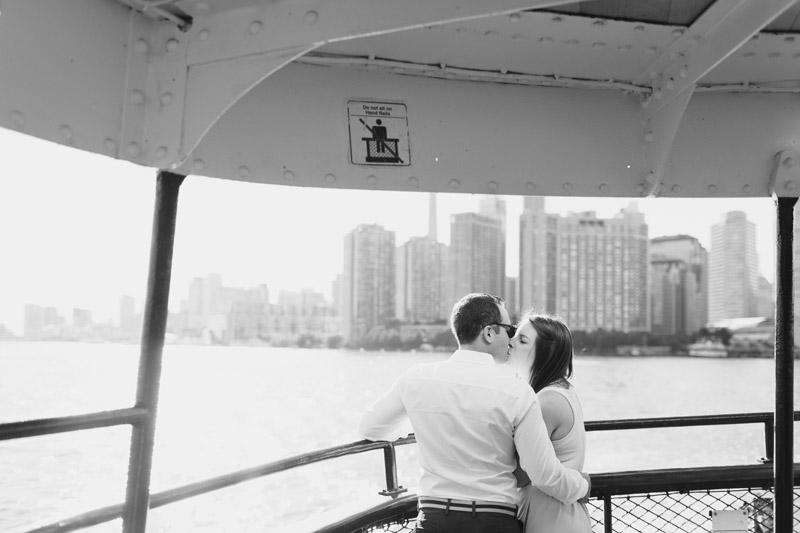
{"type": "Point", "coordinates": [557, 413]}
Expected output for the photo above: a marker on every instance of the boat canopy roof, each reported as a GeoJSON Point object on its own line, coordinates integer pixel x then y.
{"type": "Point", "coordinates": [672, 98]}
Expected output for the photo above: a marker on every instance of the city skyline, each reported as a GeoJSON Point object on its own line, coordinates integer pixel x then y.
{"type": "Point", "coordinates": [87, 240]}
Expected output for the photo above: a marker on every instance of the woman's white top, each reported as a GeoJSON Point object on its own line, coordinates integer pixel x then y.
{"type": "Point", "coordinates": [542, 513]}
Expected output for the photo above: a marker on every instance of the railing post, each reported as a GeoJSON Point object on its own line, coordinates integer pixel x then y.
{"type": "Point", "coordinates": [393, 489]}
{"type": "Point", "coordinates": [784, 369]}
{"type": "Point", "coordinates": [153, 329]}
{"type": "Point", "coordinates": [608, 514]}
{"type": "Point", "coordinates": [769, 441]}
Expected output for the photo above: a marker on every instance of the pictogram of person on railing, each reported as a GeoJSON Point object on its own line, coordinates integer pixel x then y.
{"type": "Point", "coordinates": [380, 148]}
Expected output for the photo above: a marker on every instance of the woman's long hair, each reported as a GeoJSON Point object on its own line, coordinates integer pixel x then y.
{"type": "Point", "coordinates": [553, 347]}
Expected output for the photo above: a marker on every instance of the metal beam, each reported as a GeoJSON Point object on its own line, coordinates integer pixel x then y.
{"type": "Point", "coordinates": [784, 368]}
{"type": "Point", "coordinates": [724, 27]}
{"type": "Point", "coordinates": [278, 25]}
{"type": "Point", "coordinates": [153, 330]}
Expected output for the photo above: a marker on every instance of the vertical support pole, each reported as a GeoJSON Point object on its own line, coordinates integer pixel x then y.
{"type": "Point", "coordinates": [153, 329]}
{"type": "Point", "coordinates": [608, 514]}
{"type": "Point", "coordinates": [393, 489]}
{"type": "Point", "coordinates": [784, 369]}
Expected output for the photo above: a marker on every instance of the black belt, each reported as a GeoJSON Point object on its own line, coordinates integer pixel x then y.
{"type": "Point", "coordinates": [467, 506]}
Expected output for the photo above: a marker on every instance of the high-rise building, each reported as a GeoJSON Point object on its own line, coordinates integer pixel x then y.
{"type": "Point", "coordinates": [733, 268]}
{"type": "Point", "coordinates": [510, 296]}
{"type": "Point", "coordinates": [591, 271]}
{"type": "Point", "coordinates": [418, 280]}
{"type": "Point", "coordinates": [538, 234]}
{"type": "Point", "coordinates": [368, 280]}
{"type": "Point", "coordinates": [477, 255]}
{"type": "Point", "coordinates": [765, 304]}
{"type": "Point", "coordinates": [667, 295]}
{"type": "Point", "coordinates": [684, 256]}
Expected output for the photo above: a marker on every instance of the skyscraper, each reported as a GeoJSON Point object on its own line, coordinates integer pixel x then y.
{"type": "Point", "coordinates": [368, 280]}
{"type": "Point", "coordinates": [733, 271]}
{"type": "Point", "coordinates": [419, 280]}
{"type": "Point", "coordinates": [685, 257]}
{"type": "Point", "coordinates": [477, 255]}
{"type": "Point", "coordinates": [591, 271]}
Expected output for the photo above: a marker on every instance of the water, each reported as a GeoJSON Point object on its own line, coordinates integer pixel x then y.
{"type": "Point", "coordinates": [224, 409]}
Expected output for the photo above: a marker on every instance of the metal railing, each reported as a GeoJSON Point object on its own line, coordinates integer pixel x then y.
{"type": "Point", "coordinates": [608, 487]}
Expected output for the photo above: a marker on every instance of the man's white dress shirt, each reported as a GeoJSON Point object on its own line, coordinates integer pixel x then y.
{"type": "Point", "coordinates": [469, 415]}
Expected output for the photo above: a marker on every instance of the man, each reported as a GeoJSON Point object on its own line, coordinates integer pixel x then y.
{"type": "Point", "coordinates": [469, 413]}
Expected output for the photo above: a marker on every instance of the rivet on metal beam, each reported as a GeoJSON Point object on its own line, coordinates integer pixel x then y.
{"type": "Point", "coordinates": [255, 27]}
{"type": "Point", "coordinates": [754, 37]}
{"type": "Point", "coordinates": [789, 162]}
{"type": "Point", "coordinates": [413, 182]}
{"type": "Point", "coordinates": [567, 187]}
{"type": "Point", "coordinates": [166, 99]}
{"type": "Point", "coordinates": [599, 44]}
{"type": "Point", "coordinates": [372, 180]}
{"type": "Point", "coordinates": [288, 175]}
{"type": "Point", "coordinates": [17, 118]}
{"type": "Point", "coordinates": [65, 132]}
{"type": "Point", "coordinates": [603, 188]}
{"type": "Point", "coordinates": [515, 16]}
{"type": "Point", "coordinates": [557, 20]}
{"type": "Point", "coordinates": [530, 186]}
{"type": "Point", "coordinates": [789, 185]}
{"type": "Point", "coordinates": [491, 33]}
{"type": "Point", "coordinates": [640, 188]}
{"type": "Point", "coordinates": [650, 177]}
{"type": "Point", "coordinates": [638, 28]}
{"type": "Point", "coordinates": [198, 165]}
{"type": "Point", "coordinates": [546, 40]}
{"type": "Point", "coordinates": [789, 39]}
{"type": "Point", "coordinates": [676, 188]}
{"type": "Point", "coordinates": [493, 186]}
{"type": "Point", "coordinates": [137, 97]}
{"type": "Point", "coordinates": [712, 189]}
{"type": "Point", "coordinates": [677, 32]}
{"type": "Point", "coordinates": [244, 171]}
{"type": "Point", "coordinates": [599, 23]}
{"type": "Point", "coordinates": [454, 184]}
{"type": "Point", "coordinates": [133, 150]}
{"type": "Point", "coordinates": [330, 178]}
{"type": "Point", "coordinates": [684, 71]}
{"type": "Point", "coordinates": [161, 152]}
{"type": "Point", "coordinates": [110, 145]}
{"type": "Point", "coordinates": [172, 45]}
{"type": "Point", "coordinates": [203, 35]}
{"type": "Point", "coordinates": [141, 46]}
{"type": "Point", "coordinates": [747, 188]}
{"type": "Point", "coordinates": [311, 18]}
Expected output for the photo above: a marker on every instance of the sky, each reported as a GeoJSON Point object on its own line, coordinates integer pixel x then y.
{"type": "Point", "coordinates": [76, 229]}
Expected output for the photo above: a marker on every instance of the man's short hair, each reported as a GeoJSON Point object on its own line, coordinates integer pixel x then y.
{"type": "Point", "coordinates": [472, 313]}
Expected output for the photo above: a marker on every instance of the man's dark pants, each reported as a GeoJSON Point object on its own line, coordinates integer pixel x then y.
{"type": "Point", "coordinates": [441, 521]}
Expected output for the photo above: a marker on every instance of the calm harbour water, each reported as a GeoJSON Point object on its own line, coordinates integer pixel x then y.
{"type": "Point", "coordinates": [228, 408]}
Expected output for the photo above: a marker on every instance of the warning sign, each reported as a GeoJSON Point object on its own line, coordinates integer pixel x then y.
{"type": "Point", "coordinates": [378, 133]}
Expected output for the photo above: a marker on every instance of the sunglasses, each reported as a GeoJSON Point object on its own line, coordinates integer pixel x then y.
{"type": "Point", "coordinates": [510, 330]}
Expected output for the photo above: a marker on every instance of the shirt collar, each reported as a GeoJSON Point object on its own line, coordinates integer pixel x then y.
{"type": "Point", "coordinates": [468, 356]}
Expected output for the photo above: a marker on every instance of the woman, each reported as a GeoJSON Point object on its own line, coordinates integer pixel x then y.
{"type": "Point", "coordinates": [541, 351]}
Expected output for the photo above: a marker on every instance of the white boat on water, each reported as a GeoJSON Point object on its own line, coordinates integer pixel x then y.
{"type": "Point", "coordinates": [708, 349]}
